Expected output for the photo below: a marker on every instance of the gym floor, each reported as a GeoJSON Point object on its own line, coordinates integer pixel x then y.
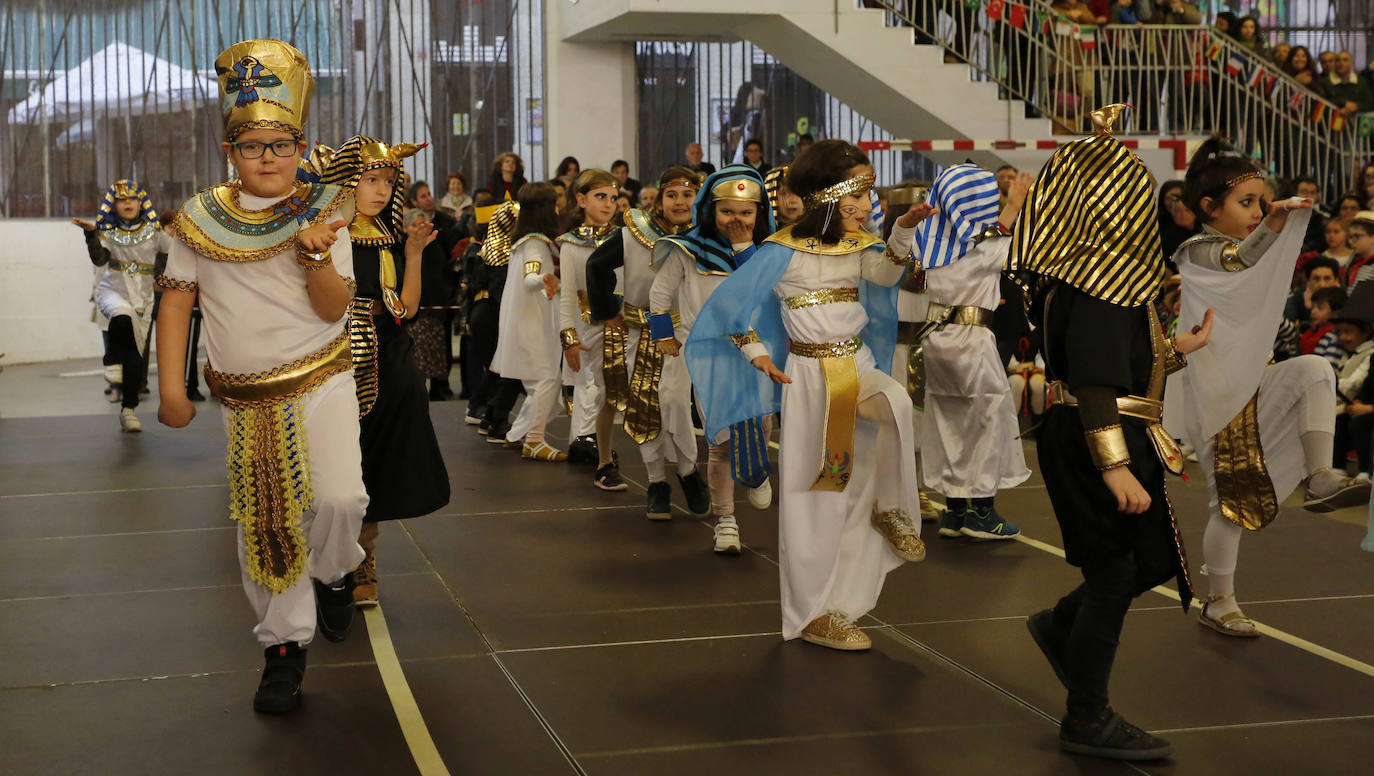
{"type": "Point", "coordinates": [541, 626]}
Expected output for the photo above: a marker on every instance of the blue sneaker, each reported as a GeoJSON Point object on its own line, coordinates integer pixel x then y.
{"type": "Point", "coordinates": [950, 524]}
{"type": "Point", "coordinates": [981, 524]}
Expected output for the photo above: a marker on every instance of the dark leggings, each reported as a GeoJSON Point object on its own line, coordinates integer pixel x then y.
{"type": "Point", "coordinates": [480, 350]}
{"type": "Point", "coordinates": [124, 349]}
{"type": "Point", "coordinates": [1092, 615]}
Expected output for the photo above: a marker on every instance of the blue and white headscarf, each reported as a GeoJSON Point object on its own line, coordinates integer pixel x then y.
{"type": "Point", "coordinates": [965, 198]}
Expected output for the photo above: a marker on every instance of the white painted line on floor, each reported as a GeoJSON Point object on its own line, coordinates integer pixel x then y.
{"type": "Point", "coordinates": [1339, 659]}
{"type": "Point", "coordinates": [422, 748]}
{"type": "Point", "coordinates": [112, 490]}
{"type": "Point", "coordinates": [1274, 723]}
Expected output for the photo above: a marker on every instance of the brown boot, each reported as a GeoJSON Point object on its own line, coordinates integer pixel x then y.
{"type": "Point", "coordinates": [365, 577]}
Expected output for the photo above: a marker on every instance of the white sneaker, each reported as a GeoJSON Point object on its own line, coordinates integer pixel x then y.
{"type": "Point", "coordinates": [727, 535]}
{"type": "Point", "coordinates": [762, 496]}
{"type": "Point", "coordinates": [128, 421]}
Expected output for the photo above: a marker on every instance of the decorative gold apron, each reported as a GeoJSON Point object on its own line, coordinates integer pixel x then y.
{"type": "Point", "coordinates": [269, 461]}
{"type": "Point", "coordinates": [841, 408]}
{"type": "Point", "coordinates": [643, 416]}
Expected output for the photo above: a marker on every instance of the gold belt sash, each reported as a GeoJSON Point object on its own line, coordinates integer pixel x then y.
{"type": "Point", "coordinates": [910, 333]}
{"type": "Point", "coordinates": [132, 267]}
{"type": "Point", "coordinates": [841, 408]}
{"type": "Point", "coordinates": [643, 415]}
{"type": "Point", "coordinates": [268, 458]}
{"type": "Point", "coordinates": [362, 340]}
{"type": "Point", "coordinates": [962, 315]}
{"type": "Point", "coordinates": [821, 296]}
{"type": "Point", "coordinates": [1148, 410]}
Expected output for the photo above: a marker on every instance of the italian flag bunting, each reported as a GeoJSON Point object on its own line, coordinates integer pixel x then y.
{"type": "Point", "coordinates": [1087, 37]}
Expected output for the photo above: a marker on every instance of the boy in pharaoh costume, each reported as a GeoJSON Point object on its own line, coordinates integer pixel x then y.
{"type": "Point", "coordinates": [271, 263]}
{"type": "Point", "coordinates": [126, 239]}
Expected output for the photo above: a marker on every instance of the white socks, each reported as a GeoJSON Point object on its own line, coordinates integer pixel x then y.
{"type": "Point", "coordinates": [1220, 549]}
{"type": "Point", "coordinates": [1316, 450]}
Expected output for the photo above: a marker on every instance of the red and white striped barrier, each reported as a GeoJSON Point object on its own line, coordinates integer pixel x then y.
{"type": "Point", "coordinates": [1177, 145]}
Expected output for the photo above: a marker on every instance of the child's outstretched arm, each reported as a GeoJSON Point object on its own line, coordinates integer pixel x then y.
{"type": "Point", "coordinates": [173, 324]}
{"type": "Point", "coordinates": [329, 294]}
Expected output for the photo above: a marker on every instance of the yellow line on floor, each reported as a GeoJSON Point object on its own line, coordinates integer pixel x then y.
{"type": "Point", "coordinates": [422, 748]}
{"type": "Point", "coordinates": [1307, 646]}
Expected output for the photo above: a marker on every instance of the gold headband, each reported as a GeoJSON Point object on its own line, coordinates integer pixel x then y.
{"type": "Point", "coordinates": [832, 194]}
{"type": "Point", "coordinates": [738, 189]}
{"type": "Point", "coordinates": [906, 195]}
{"type": "Point", "coordinates": [684, 182]}
{"type": "Point", "coordinates": [1239, 179]}
{"type": "Point", "coordinates": [123, 189]}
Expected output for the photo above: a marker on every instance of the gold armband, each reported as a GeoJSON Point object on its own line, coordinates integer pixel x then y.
{"type": "Point", "coordinates": [569, 338]}
{"type": "Point", "coordinates": [1230, 258]}
{"type": "Point", "coordinates": [313, 261]}
{"type": "Point", "coordinates": [1173, 359]}
{"type": "Point", "coordinates": [892, 256]}
{"type": "Point", "coordinates": [1107, 446]}
{"type": "Point", "coordinates": [741, 340]}
{"type": "Point", "coordinates": [532, 267]}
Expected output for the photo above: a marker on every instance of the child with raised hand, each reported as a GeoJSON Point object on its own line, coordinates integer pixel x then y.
{"type": "Point", "coordinates": [271, 261]}
{"type": "Point", "coordinates": [1260, 429]}
{"type": "Point", "coordinates": [127, 240]}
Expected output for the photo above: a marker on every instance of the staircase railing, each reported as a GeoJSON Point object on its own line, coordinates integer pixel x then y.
{"type": "Point", "coordinates": [1182, 80]}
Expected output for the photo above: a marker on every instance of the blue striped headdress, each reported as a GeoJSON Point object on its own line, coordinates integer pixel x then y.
{"type": "Point", "coordinates": [965, 198]}
{"type": "Point", "coordinates": [124, 189]}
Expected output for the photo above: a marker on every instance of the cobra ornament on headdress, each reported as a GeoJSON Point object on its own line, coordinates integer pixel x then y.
{"type": "Point", "coordinates": [500, 234]}
{"type": "Point", "coordinates": [125, 189]}
{"type": "Point", "coordinates": [345, 166]}
{"type": "Point", "coordinates": [1089, 221]}
{"type": "Point", "coordinates": [965, 200]}
{"type": "Point", "coordinates": [264, 84]}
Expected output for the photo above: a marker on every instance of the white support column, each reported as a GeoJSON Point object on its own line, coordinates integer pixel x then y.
{"type": "Point", "coordinates": [410, 74]}
{"type": "Point", "coordinates": [591, 110]}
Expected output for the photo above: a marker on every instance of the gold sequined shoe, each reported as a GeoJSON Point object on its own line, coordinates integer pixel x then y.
{"type": "Point", "coordinates": [895, 526]}
{"type": "Point", "coordinates": [1229, 624]}
{"type": "Point", "coordinates": [930, 511]}
{"type": "Point", "coordinates": [836, 631]}
{"type": "Point", "coordinates": [542, 452]}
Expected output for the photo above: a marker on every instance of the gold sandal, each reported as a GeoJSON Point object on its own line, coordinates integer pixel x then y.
{"type": "Point", "coordinates": [543, 452]}
{"type": "Point", "coordinates": [1230, 624]}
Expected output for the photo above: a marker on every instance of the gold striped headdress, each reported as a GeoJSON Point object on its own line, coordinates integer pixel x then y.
{"type": "Point", "coordinates": [358, 154]}
{"type": "Point", "coordinates": [1089, 221]}
{"type": "Point", "coordinates": [500, 231]}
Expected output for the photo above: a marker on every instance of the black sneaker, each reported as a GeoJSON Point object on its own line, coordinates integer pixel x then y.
{"type": "Point", "coordinates": [483, 427]}
{"type": "Point", "coordinates": [496, 433]}
{"type": "Point", "coordinates": [1051, 640]}
{"type": "Point", "coordinates": [660, 501]}
{"type": "Point", "coordinates": [1112, 737]}
{"type": "Point", "coordinates": [697, 493]}
{"type": "Point", "coordinates": [583, 450]}
{"type": "Point", "coordinates": [334, 608]}
{"type": "Point", "coordinates": [608, 478]}
{"type": "Point", "coordinates": [279, 691]}
{"type": "Point", "coordinates": [194, 395]}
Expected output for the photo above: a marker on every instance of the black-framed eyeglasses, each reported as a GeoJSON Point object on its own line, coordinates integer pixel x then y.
{"type": "Point", "coordinates": [252, 149]}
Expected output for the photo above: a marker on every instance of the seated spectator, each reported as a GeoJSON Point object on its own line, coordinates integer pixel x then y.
{"type": "Point", "coordinates": [694, 156]}
{"type": "Point", "coordinates": [1346, 88]}
{"type": "Point", "coordinates": [647, 197]}
{"type": "Point", "coordinates": [1348, 205]}
{"type": "Point", "coordinates": [507, 176]}
{"type": "Point", "coordinates": [1226, 22]}
{"type": "Point", "coordinates": [1354, 389]}
{"type": "Point", "coordinates": [1327, 303]}
{"type": "Point", "coordinates": [1327, 60]}
{"type": "Point", "coordinates": [1122, 13]}
{"type": "Point", "coordinates": [1249, 37]}
{"type": "Point", "coordinates": [1320, 272]}
{"type": "Point", "coordinates": [1302, 67]}
{"type": "Point", "coordinates": [621, 170]}
{"type": "Point", "coordinates": [805, 141]}
{"type": "Point", "coordinates": [753, 156]}
{"type": "Point", "coordinates": [456, 198]}
{"type": "Point", "coordinates": [1280, 53]}
{"type": "Point", "coordinates": [1361, 237]}
{"type": "Point", "coordinates": [568, 170]}
{"type": "Point", "coordinates": [1335, 245]}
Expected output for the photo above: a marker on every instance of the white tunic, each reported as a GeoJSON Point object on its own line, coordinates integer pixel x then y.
{"type": "Point", "coordinates": [128, 289]}
{"type": "Point", "coordinates": [831, 556]}
{"type": "Point", "coordinates": [257, 313]}
{"type": "Point", "coordinates": [969, 445]}
{"type": "Point", "coordinates": [527, 346]}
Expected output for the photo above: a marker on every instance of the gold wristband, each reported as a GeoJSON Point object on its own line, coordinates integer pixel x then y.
{"type": "Point", "coordinates": [313, 261]}
{"type": "Point", "coordinates": [741, 340]}
{"type": "Point", "coordinates": [1173, 359]}
{"type": "Point", "coordinates": [1107, 446]}
{"type": "Point", "coordinates": [569, 338]}
{"type": "Point", "coordinates": [892, 256]}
